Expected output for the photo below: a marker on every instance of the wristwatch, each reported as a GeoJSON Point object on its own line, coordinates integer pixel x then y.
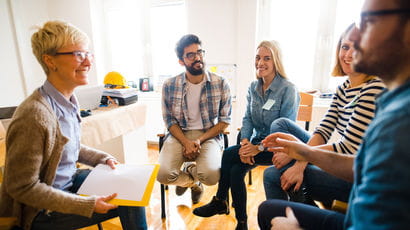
{"type": "Point", "coordinates": [261, 148]}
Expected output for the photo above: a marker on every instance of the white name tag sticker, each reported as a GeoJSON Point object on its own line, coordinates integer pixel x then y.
{"type": "Point", "coordinates": [268, 104]}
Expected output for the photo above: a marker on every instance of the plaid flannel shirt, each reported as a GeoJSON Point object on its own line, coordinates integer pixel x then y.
{"type": "Point", "coordinates": [215, 102]}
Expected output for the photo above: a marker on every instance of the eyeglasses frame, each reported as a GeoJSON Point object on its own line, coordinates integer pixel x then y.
{"type": "Point", "coordinates": [78, 54]}
{"type": "Point", "coordinates": [379, 13]}
{"type": "Point", "coordinates": [200, 53]}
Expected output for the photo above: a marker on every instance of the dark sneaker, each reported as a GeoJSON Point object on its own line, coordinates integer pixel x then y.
{"type": "Point", "coordinates": [214, 207]}
{"type": "Point", "coordinates": [242, 225]}
{"type": "Point", "coordinates": [180, 190]}
{"type": "Point", "coordinates": [300, 196]}
{"type": "Point", "coordinates": [196, 192]}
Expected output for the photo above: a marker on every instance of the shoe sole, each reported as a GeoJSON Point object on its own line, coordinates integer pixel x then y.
{"type": "Point", "coordinates": [219, 213]}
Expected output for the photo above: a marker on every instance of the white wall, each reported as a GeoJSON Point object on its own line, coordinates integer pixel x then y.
{"type": "Point", "coordinates": [25, 15]}
{"type": "Point", "coordinates": [12, 86]}
{"type": "Point", "coordinates": [227, 30]}
{"type": "Point", "coordinates": [245, 55]}
{"type": "Point", "coordinates": [18, 18]}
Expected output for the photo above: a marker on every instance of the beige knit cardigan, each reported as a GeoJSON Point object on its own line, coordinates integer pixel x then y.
{"type": "Point", "coordinates": [34, 145]}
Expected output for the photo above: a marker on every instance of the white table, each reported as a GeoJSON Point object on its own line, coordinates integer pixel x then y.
{"type": "Point", "coordinates": [118, 130]}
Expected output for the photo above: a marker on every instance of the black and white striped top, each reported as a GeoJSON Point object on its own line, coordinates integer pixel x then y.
{"type": "Point", "coordinates": [350, 113]}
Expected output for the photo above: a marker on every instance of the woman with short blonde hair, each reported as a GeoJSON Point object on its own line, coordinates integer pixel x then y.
{"type": "Point", "coordinates": [43, 144]}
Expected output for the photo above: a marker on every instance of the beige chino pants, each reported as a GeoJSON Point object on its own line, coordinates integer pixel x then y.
{"type": "Point", "coordinates": [206, 170]}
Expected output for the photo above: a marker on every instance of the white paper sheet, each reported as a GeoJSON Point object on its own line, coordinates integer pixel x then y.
{"type": "Point", "coordinates": [128, 181]}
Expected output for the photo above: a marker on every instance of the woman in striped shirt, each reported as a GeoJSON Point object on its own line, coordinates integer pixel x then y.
{"type": "Point", "coordinates": [350, 112]}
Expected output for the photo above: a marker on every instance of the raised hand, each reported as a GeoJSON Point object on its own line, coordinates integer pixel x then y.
{"type": "Point", "coordinates": [288, 144]}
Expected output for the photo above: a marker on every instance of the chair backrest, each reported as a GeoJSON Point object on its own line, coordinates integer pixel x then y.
{"type": "Point", "coordinates": [2, 144]}
{"type": "Point", "coordinates": [5, 222]}
{"type": "Point", "coordinates": [305, 109]}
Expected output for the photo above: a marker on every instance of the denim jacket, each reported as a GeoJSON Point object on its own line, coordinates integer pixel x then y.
{"type": "Point", "coordinates": [257, 120]}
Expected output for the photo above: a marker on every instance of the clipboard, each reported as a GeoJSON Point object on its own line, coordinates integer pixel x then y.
{"type": "Point", "coordinates": [132, 183]}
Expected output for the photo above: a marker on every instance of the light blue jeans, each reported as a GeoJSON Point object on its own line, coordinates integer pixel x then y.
{"type": "Point", "coordinates": [132, 218]}
{"type": "Point", "coordinates": [320, 185]}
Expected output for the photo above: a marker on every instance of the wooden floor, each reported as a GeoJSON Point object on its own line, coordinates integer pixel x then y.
{"type": "Point", "coordinates": [179, 208]}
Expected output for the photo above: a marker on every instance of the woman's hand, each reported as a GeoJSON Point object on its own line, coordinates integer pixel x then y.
{"type": "Point", "coordinates": [248, 149]}
{"type": "Point", "coordinates": [292, 176]}
{"type": "Point", "coordinates": [112, 163]}
{"type": "Point", "coordinates": [247, 160]}
{"type": "Point", "coordinates": [101, 205]}
{"type": "Point", "coordinates": [280, 159]}
{"type": "Point", "coordinates": [285, 223]}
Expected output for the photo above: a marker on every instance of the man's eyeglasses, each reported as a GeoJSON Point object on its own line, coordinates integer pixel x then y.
{"type": "Point", "coordinates": [192, 55]}
{"type": "Point", "coordinates": [364, 16]}
{"type": "Point", "coordinates": [79, 55]}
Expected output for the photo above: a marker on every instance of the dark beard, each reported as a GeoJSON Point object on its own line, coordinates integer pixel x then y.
{"type": "Point", "coordinates": [194, 71]}
{"type": "Point", "coordinates": [385, 60]}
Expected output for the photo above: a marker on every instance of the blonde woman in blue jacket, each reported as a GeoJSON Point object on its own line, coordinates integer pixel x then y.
{"type": "Point", "coordinates": [270, 97]}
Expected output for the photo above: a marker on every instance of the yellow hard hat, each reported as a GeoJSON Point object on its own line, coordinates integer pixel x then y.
{"type": "Point", "coordinates": [115, 80]}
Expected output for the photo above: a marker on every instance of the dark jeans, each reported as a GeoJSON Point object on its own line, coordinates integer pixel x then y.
{"type": "Point", "coordinates": [132, 218]}
{"type": "Point", "coordinates": [233, 172]}
{"type": "Point", "coordinates": [319, 184]}
{"type": "Point", "coordinates": [309, 217]}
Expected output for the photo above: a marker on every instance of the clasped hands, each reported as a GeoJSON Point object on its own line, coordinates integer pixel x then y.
{"type": "Point", "coordinates": [281, 143]}
{"type": "Point", "coordinates": [191, 149]}
{"type": "Point", "coordinates": [247, 152]}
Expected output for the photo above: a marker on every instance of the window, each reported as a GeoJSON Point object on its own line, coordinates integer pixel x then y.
{"type": "Point", "coordinates": [124, 32]}
{"type": "Point", "coordinates": [308, 32]}
{"type": "Point", "coordinates": [141, 37]}
{"type": "Point", "coordinates": [168, 25]}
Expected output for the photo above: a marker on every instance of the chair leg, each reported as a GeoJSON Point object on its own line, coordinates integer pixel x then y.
{"type": "Point", "coordinates": [99, 225]}
{"type": "Point", "coordinates": [163, 214]}
{"type": "Point", "coordinates": [226, 141]}
{"type": "Point", "coordinates": [250, 177]}
{"type": "Point", "coordinates": [307, 125]}
{"type": "Point", "coordinates": [163, 187]}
